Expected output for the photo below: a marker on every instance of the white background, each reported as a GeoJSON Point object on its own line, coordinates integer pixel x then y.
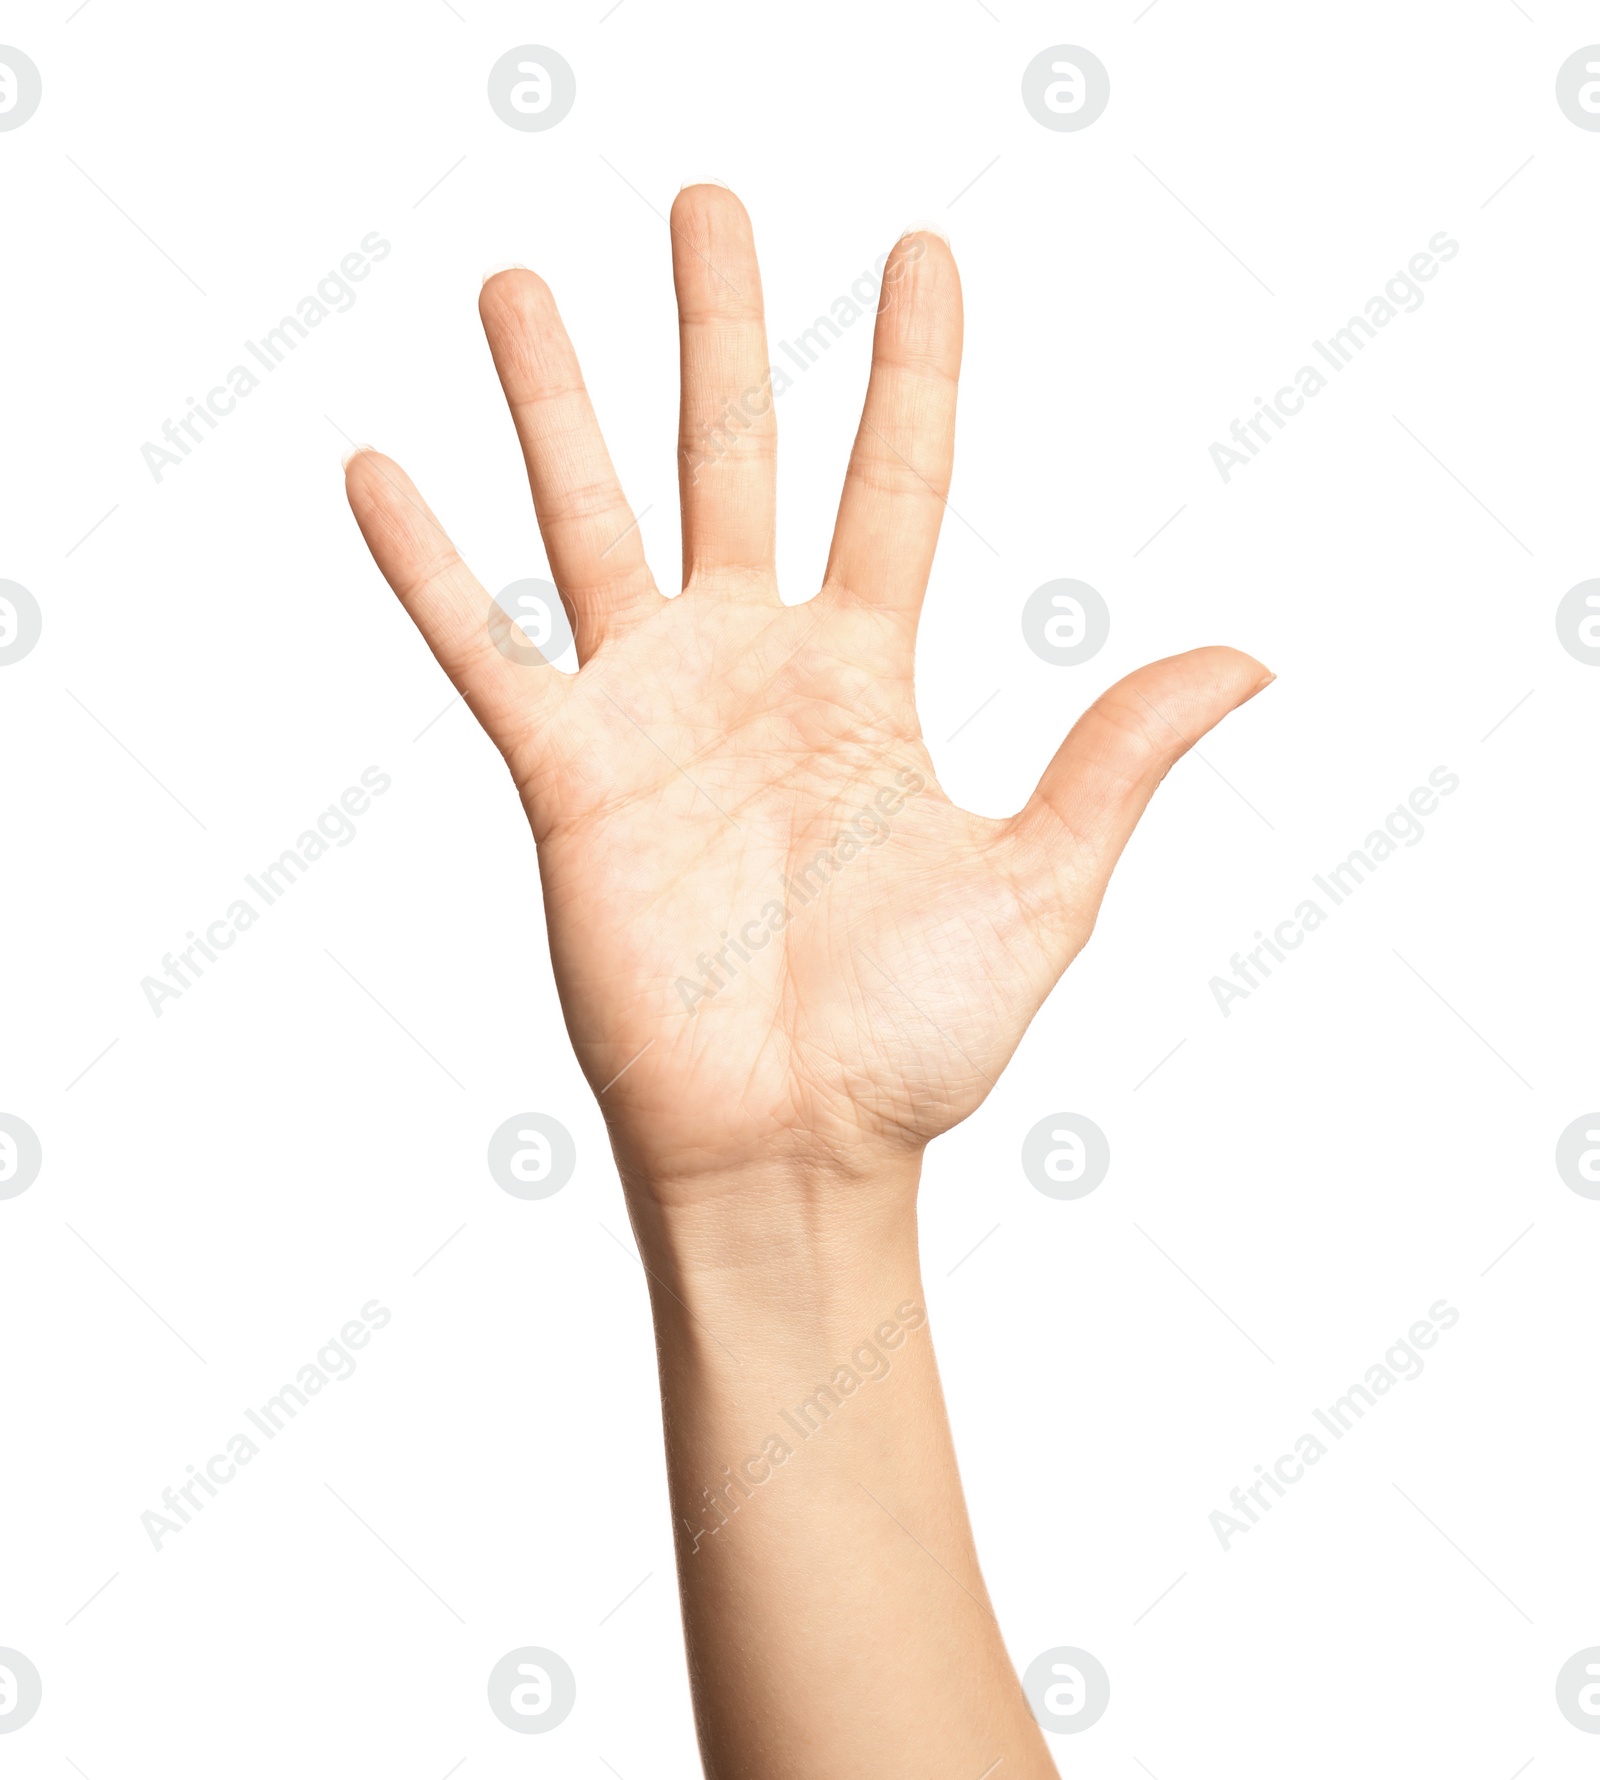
{"type": "Point", "coordinates": [273, 1152]}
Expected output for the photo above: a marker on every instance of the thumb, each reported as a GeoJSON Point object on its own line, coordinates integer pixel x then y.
{"type": "Point", "coordinates": [1072, 831]}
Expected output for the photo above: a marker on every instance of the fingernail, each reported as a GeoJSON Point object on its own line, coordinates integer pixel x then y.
{"type": "Point", "coordinates": [1262, 685]}
{"type": "Point", "coordinates": [344, 462]}
{"type": "Point", "coordinates": [509, 266]}
{"type": "Point", "coordinates": [925, 228]}
{"type": "Point", "coordinates": [689, 182]}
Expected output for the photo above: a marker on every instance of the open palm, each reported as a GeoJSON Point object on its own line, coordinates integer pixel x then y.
{"type": "Point", "coordinates": [776, 940]}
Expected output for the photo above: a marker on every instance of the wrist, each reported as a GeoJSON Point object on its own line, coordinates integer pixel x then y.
{"type": "Point", "coordinates": [786, 1171]}
{"type": "Point", "coordinates": [785, 1253]}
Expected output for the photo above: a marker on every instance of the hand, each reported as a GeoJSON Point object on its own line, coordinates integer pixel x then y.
{"type": "Point", "coordinates": [787, 961]}
{"type": "Point", "coordinates": [762, 908]}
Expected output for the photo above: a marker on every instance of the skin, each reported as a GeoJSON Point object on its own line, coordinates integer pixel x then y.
{"type": "Point", "coordinates": [769, 1131]}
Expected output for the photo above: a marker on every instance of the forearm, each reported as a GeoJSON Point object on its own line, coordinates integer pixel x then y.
{"type": "Point", "coordinates": [836, 1620]}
